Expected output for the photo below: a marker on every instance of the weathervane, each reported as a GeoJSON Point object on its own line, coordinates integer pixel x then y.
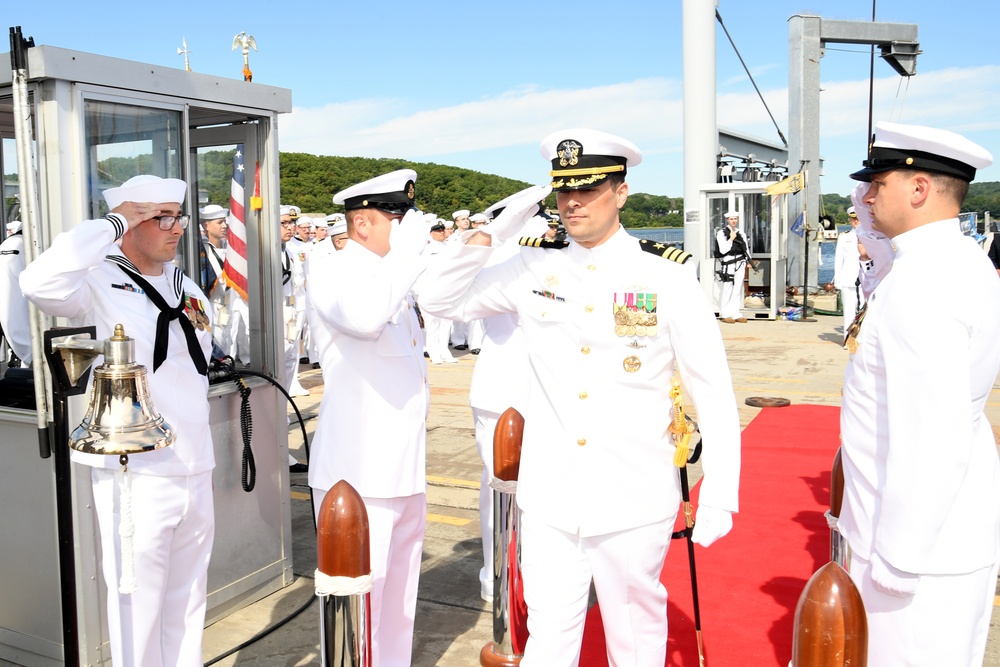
{"type": "Point", "coordinates": [247, 42]}
{"type": "Point", "coordinates": [184, 51]}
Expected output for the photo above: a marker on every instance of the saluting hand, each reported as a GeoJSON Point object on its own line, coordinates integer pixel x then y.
{"type": "Point", "coordinates": [137, 212]}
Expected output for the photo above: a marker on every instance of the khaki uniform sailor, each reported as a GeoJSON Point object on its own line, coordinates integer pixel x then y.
{"type": "Point", "coordinates": [605, 324]}
{"type": "Point", "coordinates": [13, 305]}
{"type": "Point", "coordinates": [921, 505]}
{"type": "Point", "coordinates": [372, 428]}
{"type": "Point", "coordinates": [119, 269]}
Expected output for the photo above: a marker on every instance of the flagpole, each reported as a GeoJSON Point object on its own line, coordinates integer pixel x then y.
{"type": "Point", "coordinates": [805, 259]}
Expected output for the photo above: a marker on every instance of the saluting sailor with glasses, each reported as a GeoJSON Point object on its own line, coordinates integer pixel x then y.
{"type": "Point", "coordinates": [119, 269]}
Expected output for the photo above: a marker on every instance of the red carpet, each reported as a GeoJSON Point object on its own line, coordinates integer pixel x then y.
{"type": "Point", "coordinates": [750, 581]}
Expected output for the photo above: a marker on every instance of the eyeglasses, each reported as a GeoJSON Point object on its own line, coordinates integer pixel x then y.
{"type": "Point", "coordinates": [289, 223]}
{"type": "Point", "coordinates": [166, 222]}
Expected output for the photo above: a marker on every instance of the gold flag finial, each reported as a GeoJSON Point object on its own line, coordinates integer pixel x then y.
{"type": "Point", "coordinates": [246, 42]}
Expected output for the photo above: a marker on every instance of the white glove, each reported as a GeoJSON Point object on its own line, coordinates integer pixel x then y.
{"type": "Point", "coordinates": [410, 235]}
{"type": "Point", "coordinates": [521, 207]}
{"type": "Point", "coordinates": [891, 581]}
{"type": "Point", "coordinates": [862, 211]}
{"type": "Point", "coordinates": [711, 524]}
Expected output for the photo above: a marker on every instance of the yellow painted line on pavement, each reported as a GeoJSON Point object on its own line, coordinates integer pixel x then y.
{"type": "Point", "coordinates": [777, 380]}
{"type": "Point", "coordinates": [450, 520]}
{"type": "Point", "coordinates": [803, 393]}
{"type": "Point", "coordinates": [299, 495]}
{"type": "Point", "coordinates": [450, 481]}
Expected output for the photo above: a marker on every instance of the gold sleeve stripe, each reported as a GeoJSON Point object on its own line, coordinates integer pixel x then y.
{"type": "Point", "coordinates": [542, 242]}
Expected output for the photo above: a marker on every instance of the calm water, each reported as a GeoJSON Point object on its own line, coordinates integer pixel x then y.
{"type": "Point", "coordinates": [675, 236]}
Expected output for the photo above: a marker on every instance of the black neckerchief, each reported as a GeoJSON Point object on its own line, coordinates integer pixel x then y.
{"type": "Point", "coordinates": [167, 313]}
{"type": "Point", "coordinates": [286, 264]}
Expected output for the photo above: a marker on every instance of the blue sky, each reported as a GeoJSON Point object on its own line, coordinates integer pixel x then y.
{"type": "Point", "coordinates": [478, 84]}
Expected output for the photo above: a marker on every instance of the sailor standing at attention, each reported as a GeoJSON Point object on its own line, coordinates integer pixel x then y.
{"type": "Point", "coordinates": [119, 270]}
{"type": "Point", "coordinates": [605, 323]}
{"type": "Point", "coordinates": [847, 269]}
{"type": "Point", "coordinates": [372, 429]}
{"type": "Point", "coordinates": [14, 320]}
{"type": "Point", "coordinates": [921, 477]}
{"type": "Point", "coordinates": [733, 246]}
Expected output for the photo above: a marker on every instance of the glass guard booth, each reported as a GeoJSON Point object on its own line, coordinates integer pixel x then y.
{"type": "Point", "coordinates": [763, 218]}
{"type": "Point", "coordinates": [95, 122]}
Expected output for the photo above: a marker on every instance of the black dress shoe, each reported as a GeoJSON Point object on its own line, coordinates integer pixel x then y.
{"type": "Point", "coordinates": [463, 346]}
{"type": "Point", "coordinates": [303, 360]}
{"type": "Point", "coordinates": [298, 467]}
{"type": "Point", "coordinates": [474, 350]}
{"type": "Point", "coordinates": [427, 355]}
{"type": "Point", "coordinates": [315, 364]}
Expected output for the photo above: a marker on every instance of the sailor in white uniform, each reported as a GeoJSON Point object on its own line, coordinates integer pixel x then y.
{"type": "Point", "coordinates": [604, 325]}
{"type": "Point", "coordinates": [372, 429]}
{"type": "Point", "coordinates": [13, 305]}
{"type": "Point", "coordinates": [847, 269]}
{"type": "Point", "coordinates": [733, 246]}
{"type": "Point", "coordinates": [921, 505]}
{"type": "Point", "coordinates": [119, 270]}
{"type": "Point", "coordinates": [437, 329]}
{"type": "Point", "coordinates": [499, 381]}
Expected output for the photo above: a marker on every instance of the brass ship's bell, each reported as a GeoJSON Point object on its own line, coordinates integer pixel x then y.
{"type": "Point", "coordinates": [121, 419]}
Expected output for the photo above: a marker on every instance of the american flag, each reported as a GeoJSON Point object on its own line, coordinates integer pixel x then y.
{"type": "Point", "coordinates": [235, 268]}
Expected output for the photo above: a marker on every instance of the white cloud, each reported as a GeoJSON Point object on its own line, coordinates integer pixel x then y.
{"type": "Point", "coordinates": [647, 111]}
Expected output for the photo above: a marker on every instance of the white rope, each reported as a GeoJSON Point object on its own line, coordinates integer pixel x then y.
{"type": "Point", "coordinates": [503, 485]}
{"type": "Point", "coordinates": [329, 585]}
{"type": "Point", "coordinates": [831, 520]}
{"type": "Point", "coordinates": [126, 529]}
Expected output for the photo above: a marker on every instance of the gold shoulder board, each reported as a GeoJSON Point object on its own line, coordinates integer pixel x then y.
{"type": "Point", "coordinates": [664, 250]}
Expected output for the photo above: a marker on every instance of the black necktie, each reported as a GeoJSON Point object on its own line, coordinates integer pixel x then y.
{"type": "Point", "coordinates": [167, 314]}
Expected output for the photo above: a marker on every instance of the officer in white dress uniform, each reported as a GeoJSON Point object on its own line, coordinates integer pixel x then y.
{"type": "Point", "coordinates": [372, 429]}
{"type": "Point", "coordinates": [459, 330]}
{"type": "Point", "coordinates": [437, 329]}
{"type": "Point", "coordinates": [921, 477]}
{"type": "Point", "coordinates": [604, 324]}
{"type": "Point", "coordinates": [13, 306]}
{"type": "Point", "coordinates": [291, 276]}
{"type": "Point", "coordinates": [733, 245]}
{"type": "Point", "coordinates": [847, 269]}
{"type": "Point", "coordinates": [110, 271]}
{"type": "Point", "coordinates": [499, 381]}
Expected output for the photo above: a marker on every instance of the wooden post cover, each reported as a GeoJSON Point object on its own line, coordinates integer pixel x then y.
{"type": "Point", "coordinates": [343, 547]}
{"type": "Point", "coordinates": [831, 627]}
{"type": "Point", "coordinates": [507, 445]}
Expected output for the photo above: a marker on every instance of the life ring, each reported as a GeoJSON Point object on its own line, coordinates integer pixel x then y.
{"type": "Point", "coordinates": [768, 402]}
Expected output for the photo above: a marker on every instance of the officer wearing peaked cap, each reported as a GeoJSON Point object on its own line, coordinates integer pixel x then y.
{"type": "Point", "coordinates": [604, 324]}
{"type": "Point", "coordinates": [372, 429]}
{"type": "Point", "coordinates": [921, 505]}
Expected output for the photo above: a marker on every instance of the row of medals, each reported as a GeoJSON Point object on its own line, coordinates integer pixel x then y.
{"type": "Point", "coordinates": [197, 316]}
{"type": "Point", "coordinates": [634, 323]}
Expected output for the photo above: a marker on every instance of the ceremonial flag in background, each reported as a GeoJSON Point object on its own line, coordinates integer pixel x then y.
{"type": "Point", "coordinates": [235, 268]}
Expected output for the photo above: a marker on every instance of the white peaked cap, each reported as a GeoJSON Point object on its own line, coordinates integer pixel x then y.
{"type": "Point", "coordinates": [146, 188]}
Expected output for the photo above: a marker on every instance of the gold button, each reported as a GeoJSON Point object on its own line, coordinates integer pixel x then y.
{"type": "Point", "coordinates": [589, 309]}
{"type": "Point", "coordinates": [545, 314]}
{"type": "Point", "coordinates": [583, 395]}
{"type": "Point", "coordinates": [414, 342]}
{"type": "Point", "coordinates": [581, 442]}
{"type": "Point", "coordinates": [591, 267]}
{"type": "Point", "coordinates": [585, 350]}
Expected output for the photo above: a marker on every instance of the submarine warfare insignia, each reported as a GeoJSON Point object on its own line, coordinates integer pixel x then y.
{"type": "Point", "coordinates": [635, 314]}
{"type": "Point", "coordinates": [195, 311]}
{"type": "Point", "coordinates": [631, 364]}
{"type": "Point", "coordinates": [851, 340]}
